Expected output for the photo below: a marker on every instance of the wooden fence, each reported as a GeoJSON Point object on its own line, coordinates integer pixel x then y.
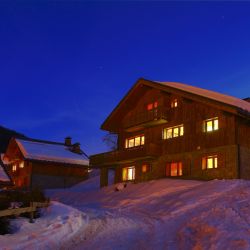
{"type": "Point", "coordinates": [31, 209]}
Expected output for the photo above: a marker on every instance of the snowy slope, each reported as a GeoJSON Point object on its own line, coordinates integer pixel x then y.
{"type": "Point", "coordinates": [3, 175]}
{"type": "Point", "coordinates": [59, 224]}
{"type": "Point", "coordinates": [162, 214]}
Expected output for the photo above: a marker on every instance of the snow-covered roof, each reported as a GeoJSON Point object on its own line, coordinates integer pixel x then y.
{"type": "Point", "coordinates": [3, 175]}
{"type": "Point", "coordinates": [52, 152]}
{"type": "Point", "coordinates": [230, 100]}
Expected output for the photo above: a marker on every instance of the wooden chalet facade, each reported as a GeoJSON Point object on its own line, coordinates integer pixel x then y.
{"type": "Point", "coordinates": [168, 129]}
{"type": "Point", "coordinates": [45, 164]}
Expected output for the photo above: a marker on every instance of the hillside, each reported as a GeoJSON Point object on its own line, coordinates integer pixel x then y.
{"type": "Point", "coordinates": [162, 214]}
{"type": "Point", "coordinates": [5, 135]}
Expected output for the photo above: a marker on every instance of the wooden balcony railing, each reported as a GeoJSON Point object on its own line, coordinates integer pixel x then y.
{"type": "Point", "coordinates": [126, 155]}
{"type": "Point", "coordinates": [147, 117]}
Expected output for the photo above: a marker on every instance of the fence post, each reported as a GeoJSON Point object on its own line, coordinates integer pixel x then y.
{"type": "Point", "coordinates": [31, 214]}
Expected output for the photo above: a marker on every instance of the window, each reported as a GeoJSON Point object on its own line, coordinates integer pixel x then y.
{"type": "Point", "coordinates": [174, 103]}
{"type": "Point", "coordinates": [21, 164]}
{"type": "Point", "coordinates": [152, 105]}
{"type": "Point", "coordinates": [211, 124]}
{"type": "Point", "coordinates": [14, 168]}
{"type": "Point", "coordinates": [209, 162]}
{"type": "Point", "coordinates": [173, 132]}
{"type": "Point", "coordinates": [128, 173]}
{"type": "Point", "coordinates": [146, 168]}
{"type": "Point", "coordinates": [174, 169]}
{"type": "Point", "coordinates": [135, 141]}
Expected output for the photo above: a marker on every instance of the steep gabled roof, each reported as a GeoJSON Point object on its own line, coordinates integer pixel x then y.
{"type": "Point", "coordinates": [50, 151]}
{"type": "Point", "coordinates": [226, 99]}
{"type": "Point", "coordinates": [230, 103]}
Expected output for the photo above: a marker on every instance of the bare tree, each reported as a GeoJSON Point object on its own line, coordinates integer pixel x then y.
{"type": "Point", "coordinates": [110, 140]}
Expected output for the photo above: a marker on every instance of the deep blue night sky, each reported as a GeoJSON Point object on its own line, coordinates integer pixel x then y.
{"type": "Point", "coordinates": [65, 66]}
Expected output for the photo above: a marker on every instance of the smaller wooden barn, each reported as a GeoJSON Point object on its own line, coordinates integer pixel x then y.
{"type": "Point", "coordinates": [45, 164]}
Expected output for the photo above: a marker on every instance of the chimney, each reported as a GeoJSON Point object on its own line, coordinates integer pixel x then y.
{"type": "Point", "coordinates": [67, 141]}
{"type": "Point", "coordinates": [247, 99]}
{"type": "Point", "coordinates": [76, 148]}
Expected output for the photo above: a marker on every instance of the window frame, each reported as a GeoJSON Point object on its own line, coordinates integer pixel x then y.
{"type": "Point", "coordinates": [174, 103]}
{"type": "Point", "coordinates": [133, 140]}
{"type": "Point", "coordinates": [215, 124]}
{"type": "Point", "coordinates": [205, 162]}
{"type": "Point", "coordinates": [125, 177]}
{"type": "Point", "coordinates": [147, 166]}
{"type": "Point", "coordinates": [166, 132]}
{"type": "Point", "coordinates": [179, 169]}
{"type": "Point", "coordinates": [152, 105]}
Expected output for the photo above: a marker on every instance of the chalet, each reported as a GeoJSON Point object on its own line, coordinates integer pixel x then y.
{"type": "Point", "coordinates": [169, 129]}
{"type": "Point", "coordinates": [45, 164]}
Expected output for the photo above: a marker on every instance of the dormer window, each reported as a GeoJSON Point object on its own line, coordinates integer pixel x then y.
{"type": "Point", "coordinates": [135, 141]}
{"type": "Point", "coordinates": [211, 124]}
{"type": "Point", "coordinates": [174, 103]}
{"type": "Point", "coordinates": [152, 105]}
{"type": "Point", "coordinates": [21, 164]}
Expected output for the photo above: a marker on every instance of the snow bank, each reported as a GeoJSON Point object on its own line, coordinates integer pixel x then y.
{"type": "Point", "coordinates": [3, 175]}
{"type": "Point", "coordinates": [59, 224]}
{"type": "Point", "coordinates": [163, 214]}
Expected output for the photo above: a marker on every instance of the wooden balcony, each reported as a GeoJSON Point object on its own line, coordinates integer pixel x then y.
{"type": "Point", "coordinates": [144, 119]}
{"type": "Point", "coordinates": [149, 151]}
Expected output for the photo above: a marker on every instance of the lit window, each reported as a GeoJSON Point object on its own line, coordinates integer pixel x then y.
{"type": "Point", "coordinates": [152, 105]}
{"type": "Point", "coordinates": [14, 168]}
{"type": "Point", "coordinates": [209, 162]}
{"type": "Point", "coordinates": [135, 141]}
{"type": "Point", "coordinates": [131, 143]}
{"type": "Point", "coordinates": [21, 164]}
{"type": "Point", "coordinates": [174, 169]}
{"type": "Point", "coordinates": [211, 124]}
{"type": "Point", "coordinates": [145, 168]}
{"type": "Point", "coordinates": [174, 103]}
{"type": "Point", "coordinates": [173, 132]}
{"type": "Point", "coordinates": [128, 174]}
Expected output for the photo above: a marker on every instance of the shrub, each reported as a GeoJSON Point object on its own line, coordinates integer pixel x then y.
{"type": "Point", "coordinates": [4, 225]}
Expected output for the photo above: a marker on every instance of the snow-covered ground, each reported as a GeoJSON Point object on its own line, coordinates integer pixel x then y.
{"type": "Point", "coordinates": [160, 214]}
{"type": "Point", "coordinates": [59, 224]}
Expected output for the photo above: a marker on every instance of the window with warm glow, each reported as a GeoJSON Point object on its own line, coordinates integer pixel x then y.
{"type": "Point", "coordinates": [135, 141]}
{"type": "Point", "coordinates": [211, 124]}
{"type": "Point", "coordinates": [174, 169]}
{"type": "Point", "coordinates": [172, 132]}
{"type": "Point", "coordinates": [14, 168]}
{"type": "Point", "coordinates": [174, 103]}
{"type": "Point", "coordinates": [128, 173]}
{"type": "Point", "coordinates": [21, 164]}
{"type": "Point", "coordinates": [209, 162]}
{"type": "Point", "coordinates": [152, 105]}
{"type": "Point", "coordinates": [146, 168]}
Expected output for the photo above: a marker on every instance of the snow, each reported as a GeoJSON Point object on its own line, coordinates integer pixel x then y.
{"type": "Point", "coordinates": [3, 175]}
{"type": "Point", "coordinates": [162, 214]}
{"type": "Point", "coordinates": [50, 152]}
{"type": "Point", "coordinates": [159, 214]}
{"type": "Point", "coordinates": [230, 100]}
{"type": "Point", "coordinates": [58, 225]}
